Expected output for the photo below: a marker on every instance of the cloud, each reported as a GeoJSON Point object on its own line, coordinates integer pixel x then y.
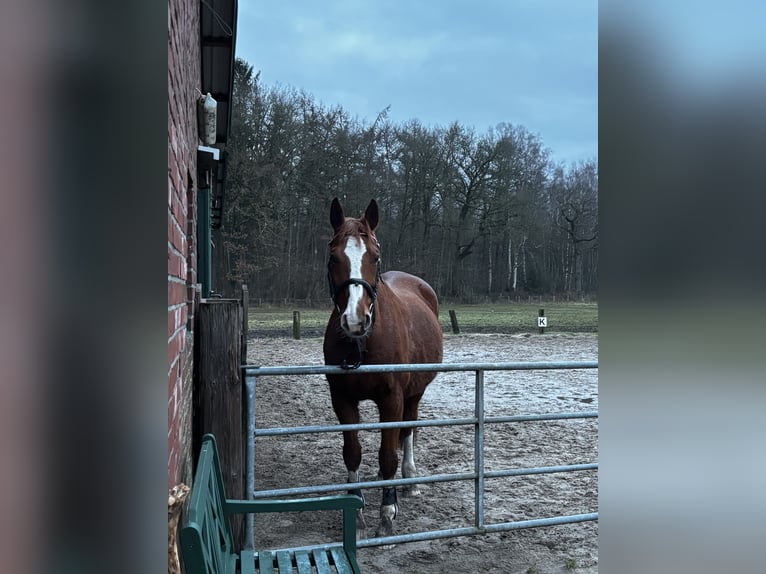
{"type": "Point", "coordinates": [517, 61]}
{"type": "Point", "coordinates": [323, 44]}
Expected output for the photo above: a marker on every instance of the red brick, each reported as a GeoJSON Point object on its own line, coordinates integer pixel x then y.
{"type": "Point", "coordinates": [174, 376]}
{"type": "Point", "coordinates": [171, 323]}
{"type": "Point", "coordinates": [174, 209]}
{"type": "Point", "coordinates": [176, 293]}
{"type": "Point", "coordinates": [172, 428]}
{"type": "Point", "coordinates": [174, 350]}
{"type": "Point", "coordinates": [172, 232]}
{"type": "Point", "coordinates": [172, 264]}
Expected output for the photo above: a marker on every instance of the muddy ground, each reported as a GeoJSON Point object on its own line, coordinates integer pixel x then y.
{"type": "Point", "coordinates": [313, 459]}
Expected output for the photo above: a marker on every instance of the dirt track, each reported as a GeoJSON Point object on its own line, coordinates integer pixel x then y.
{"type": "Point", "coordinates": [316, 459]}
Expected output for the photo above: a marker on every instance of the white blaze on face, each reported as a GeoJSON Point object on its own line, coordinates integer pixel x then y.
{"type": "Point", "coordinates": [355, 250]}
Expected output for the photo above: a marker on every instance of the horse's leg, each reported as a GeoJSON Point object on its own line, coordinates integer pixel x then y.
{"type": "Point", "coordinates": [348, 413]}
{"type": "Point", "coordinates": [391, 410]}
{"type": "Point", "coordinates": [407, 441]}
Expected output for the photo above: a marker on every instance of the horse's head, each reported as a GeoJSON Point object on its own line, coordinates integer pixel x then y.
{"type": "Point", "coordinates": [354, 268]}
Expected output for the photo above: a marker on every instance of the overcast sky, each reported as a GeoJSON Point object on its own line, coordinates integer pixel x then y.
{"type": "Point", "coordinates": [525, 62]}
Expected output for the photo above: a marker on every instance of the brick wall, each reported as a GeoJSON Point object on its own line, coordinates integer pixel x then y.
{"type": "Point", "coordinates": [183, 81]}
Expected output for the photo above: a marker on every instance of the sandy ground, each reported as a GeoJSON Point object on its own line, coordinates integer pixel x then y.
{"type": "Point", "coordinates": [313, 459]}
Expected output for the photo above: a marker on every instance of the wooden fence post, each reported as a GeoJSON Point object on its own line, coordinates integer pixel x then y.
{"type": "Point", "coordinates": [453, 321]}
{"type": "Point", "coordinates": [220, 406]}
{"type": "Point", "coordinates": [296, 324]}
{"type": "Point", "coordinates": [245, 325]}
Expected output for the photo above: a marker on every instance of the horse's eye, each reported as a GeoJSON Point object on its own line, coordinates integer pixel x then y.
{"type": "Point", "coordinates": [333, 260]}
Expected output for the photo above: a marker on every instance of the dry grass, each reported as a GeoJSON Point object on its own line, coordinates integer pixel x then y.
{"type": "Point", "coordinates": [482, 318]}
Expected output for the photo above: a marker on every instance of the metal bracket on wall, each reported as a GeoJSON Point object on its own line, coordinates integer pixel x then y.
{"type": "Point", "coordinates": [206, 158]}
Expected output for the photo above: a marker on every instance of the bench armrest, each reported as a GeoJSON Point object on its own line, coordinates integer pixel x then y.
{"type": "Point", "coordinates": [348, 503]}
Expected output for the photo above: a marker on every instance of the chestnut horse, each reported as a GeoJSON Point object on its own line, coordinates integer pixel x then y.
{"type": "Point", "coordinates": [389, 318]}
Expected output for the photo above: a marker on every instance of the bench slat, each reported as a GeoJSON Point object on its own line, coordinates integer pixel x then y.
{"type": "Point", "coordinates": [303, 562]}
{"type": "Point", "coordinates": [284, 562]}
{"type": "Point", "coordinates": [265, 562]}
{"type": "Point", "coordinates": [247, 562]}
{"type": "Point", "coordinates": [342, 565]}
{"type": "Point", "coordinates": [322, 562]}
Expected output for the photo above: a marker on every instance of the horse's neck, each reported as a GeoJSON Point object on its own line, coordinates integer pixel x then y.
{"type": "Point", "coordinates": [389, 311]}
{"type": "Point", "coordinates": [386, 304]}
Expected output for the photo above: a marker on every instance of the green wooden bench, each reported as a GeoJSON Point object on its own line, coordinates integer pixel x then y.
{"type": "Point", "coordinates": [206, 539]}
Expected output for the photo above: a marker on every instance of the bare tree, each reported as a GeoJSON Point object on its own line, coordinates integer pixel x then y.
{"type": "Point", "coordinates": [474, 214]}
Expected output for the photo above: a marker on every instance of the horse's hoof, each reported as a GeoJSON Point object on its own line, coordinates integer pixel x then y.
{"type": "Point", "coordinates": [413, 490]}
{"type": "Point", "coordinates": [386, 528]}
{"type": "Point", "coordinates": [387, 514]}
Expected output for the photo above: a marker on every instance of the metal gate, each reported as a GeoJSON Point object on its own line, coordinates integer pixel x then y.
{"type": "Point", "coordinates": [478, 421]}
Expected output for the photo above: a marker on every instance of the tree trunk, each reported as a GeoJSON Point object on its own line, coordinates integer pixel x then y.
{"type": "Point", "coordinates": [489, 274]}
{"type": "Point", "coordinates": [511, 280]}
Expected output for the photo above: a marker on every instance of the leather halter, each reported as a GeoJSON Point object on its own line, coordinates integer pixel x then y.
{"type": "Point", "coordinates": [372, 291]}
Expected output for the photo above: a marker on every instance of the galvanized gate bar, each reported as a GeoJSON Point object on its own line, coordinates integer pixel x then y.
{"type": "Point", "coordinates": [478, 451]}
{"type": "Point", "coordinates": [277, 431]}
{"type": "Point", "coordinates": [479, 421]}
{"type": "Point", "coordinates": [339, 487]}
{"type": "Point", "coordinates": [450, 477]}
{"type": "Point", "coordinates": [250, 460]}
{"type": "Point", "coordinates": [540, 470]}
{"type": "Point", "coordinates": [546, 417]}
{"type": "Point", "coordinates": [259, 371]}
{"type": "Point", "coordinates": [464, 531]}
{"type": "Point", "coordinates": [490, 528]}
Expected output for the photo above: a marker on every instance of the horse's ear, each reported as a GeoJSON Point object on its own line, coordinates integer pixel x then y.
{"type": "Point", "coordinates": [336, 214]}
{"type": "Point", "coordinates": [371, 215]}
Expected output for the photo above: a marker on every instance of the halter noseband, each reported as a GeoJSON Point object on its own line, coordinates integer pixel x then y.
{"type": "Point", "coordinates": [372, 290]}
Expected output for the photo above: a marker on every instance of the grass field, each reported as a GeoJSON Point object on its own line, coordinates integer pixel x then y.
{"type": "Point", "coordinates": [483, 318]}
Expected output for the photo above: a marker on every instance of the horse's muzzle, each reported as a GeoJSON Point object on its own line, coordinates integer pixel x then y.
{"type": "Point", "coordinates": [359, 327]}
